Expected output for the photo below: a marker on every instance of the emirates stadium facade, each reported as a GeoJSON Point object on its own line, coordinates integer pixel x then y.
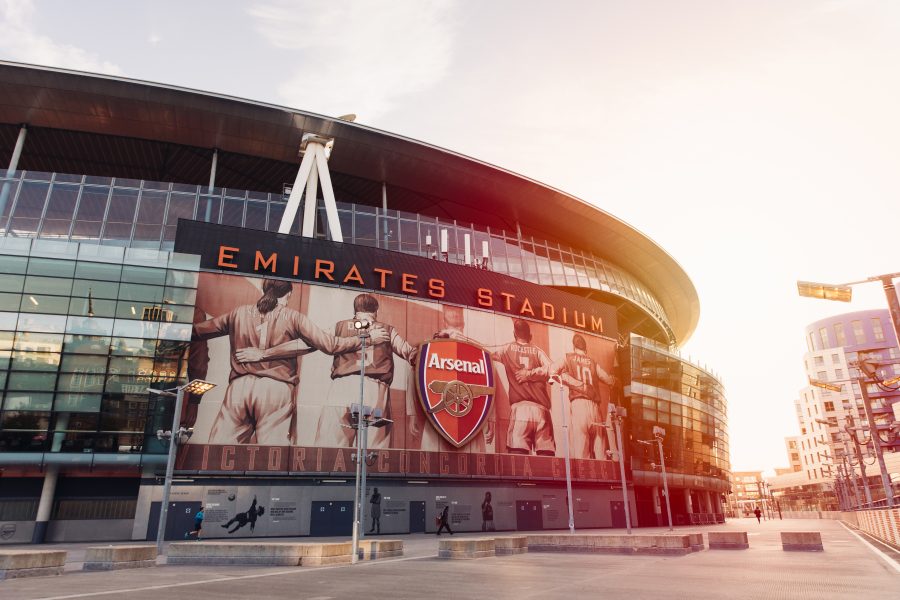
{"type": "Point", "coordinates": [153, 235]}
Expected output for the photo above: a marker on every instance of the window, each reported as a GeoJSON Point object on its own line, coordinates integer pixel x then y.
{"type": "Point", "coordinates": [839, 334]}
{"type": "Point", "coordinates": [820, 361]}
{"type": "Point", "coordinates": [822, 376]}
{"type": "Point", "coordinates": [835, 358]}
{"type": "Point", "coordinates": [829, 406]}
{"type": "Point", "coordinates": [839, 373]}
{"type": "Point", "coordinates": [859, 336]}
{"type": "Point", "coordinates": [811, 342]}
{"type": "Point", "coordinates": [823, 335]}
{"type": "Point", "coordinates": [877, 331]}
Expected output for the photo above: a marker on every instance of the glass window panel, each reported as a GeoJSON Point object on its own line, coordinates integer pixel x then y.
{"type": "Point", "coordinates": [11, 189]}
{"type": "Point", "coordinates": [117, 233]}
{"type": "Point", "coordinates": [409, 236]}
{"type": "Point", "coordinates": [91, 307]}
{"type": "Point", "coordinates": [256, 215]}
{"type": "Point", "coordinates": [276, 211]}
{"type": "Point", "coordinates": [208, 209]}
{"type": "Point", "coordinates": [35, 303]}
{"type": "Point", "coordinates": [83, 363]}
{"type": "Point", "coordinates": [61, 204]}
{"type": "Point", "coordinates": [101, 271]}
{"type": "Point", "coordinates": [25, 421]}
{"type": "Point", "coordinates": [38, 342]}
{"type": "Point", "coordinates": [135, 329]}
{"type": "Point", "coordinates": [180, 295]}
{"type": "Point", "coordinates": [11, 283]}
{"type": "Point", "coordinates": [92, 206]}
{"type": "Point", "coordinates": [175, 331]}
{"type": "Point", "coordinates": [181, 206]}
{"type": "Point", "coordinates": [233, 212]}
{"type": "Point", "coordinates": [28, 401]}
{"type": "Point", "coordinates": [35, 361]}
{"type": "Point", "coordinates": [78, 402]}
{"type": "Point", "coordinates": [13, 264]}
{"type": "Point", "coordinates": [95, 289]}
{"type": "Point", "coordinates": [123, 412]}
{"type": "Point", "coordinates": [133, 347]}
{"type": "Point", "coordinates": [75, 422]}
{"type": "Point", "coordinates": [182, 278]}
{"type": "Point", "coordinates": [86, 344]}
{"type": "Point", "coordinates": [42, 323]}
{"type": "Point", "coordinates": [30, 204]}
{"type": "Point", "coordinates": [364, 231]}
{"type": "Point", "coordinates": [123, 206]}
{"type": "Point", "coordinates": [40, 382]}
{"type": "Point", "coordinates": [152, 208]}
{"type": "Point", "coordinates": [145, 275]}
{"type": "Point", "coordinates": [81, 382]}
{"type": "Point", "coordinates": [179, 313]}
{"type": "Point", "coordinates": [55, 229]}
{"type": "Point", "coordinates": [51, 267]}
{"type": "Point", "coordinates": [48, 285]}
{"type": "Point", "coordinates": [146, 236]}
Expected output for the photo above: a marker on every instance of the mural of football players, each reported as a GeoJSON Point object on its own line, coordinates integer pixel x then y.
{"type": "Point", "coordinates": [582, 376]}
{"type": "Point", "coordinates": [527, 370]}
{"type": "Point", "coordinates": [266, 338]}
{"type": "Point", "coordinates": [379, 374]}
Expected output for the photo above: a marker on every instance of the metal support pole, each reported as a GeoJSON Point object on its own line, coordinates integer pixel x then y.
{"type": "Point", "coordinates": [354, 557]}
{"type": "Point", "coordinates": [876, 443]}
{"type": "Point", "coordinates": [662, 462]}
{"type": "Point", "coordinates": [212, 184]}
{"type": "Point", "coordinates": [13, 165]}
{"type": "Point", "coordinates": [618, 425]}
{"type": "Point", "coordinates": [170, 467]}
{"type": "Point", "coordinates": [565, 412]}
{"type": "Point", "coordinates": [893, 302]}
{"type": "Point", "coordinates": [862, 467]}
{"type": "Point", "coordinates": [362, 486]}
{"type": "Point", "coordinates": [851, 475]}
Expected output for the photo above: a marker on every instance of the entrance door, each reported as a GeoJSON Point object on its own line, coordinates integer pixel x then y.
{"type": "Point", "coordinates": [331, 518]}
{"type": "Point", "coordinates": [179, 521]}
{"type": "Point", "coordinates": [417, 517]}
{"type": "Point", "coordinates": [617, 510]}
{"type": "Point", "coordinates": [528, 515]}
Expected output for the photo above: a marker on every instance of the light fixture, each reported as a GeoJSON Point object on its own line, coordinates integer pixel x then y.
{"type": "Point", "coordinates": [825, 385]}
{"type": "Point", "coordinates": [333, 481]}
{"type": "Point", "coordinates": [360, 324]}
{"type": "Point", "coordinates": [417, 482]}
{"type": "Point", "coordinates": [134, 312]}
{"type": "Point", "coordinates": [33, 300]}
{"type": "Point", "coordinates": [198, 386]}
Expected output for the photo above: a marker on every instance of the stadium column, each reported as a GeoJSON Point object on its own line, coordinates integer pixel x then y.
{"type": "Point", "coordinates": [45, 506]}
{"type": "Point", "coordinates": [212, 184]}
{"type": "Point", "coordinates": [687, 500]}
{"type": "Point", "coordinates": [13, 165]}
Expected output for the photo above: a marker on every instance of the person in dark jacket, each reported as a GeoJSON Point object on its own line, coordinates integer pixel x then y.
{"type": "Point", "coordinates": [445, 521]}
{"type": "Point", "coordinates": [758, 514]}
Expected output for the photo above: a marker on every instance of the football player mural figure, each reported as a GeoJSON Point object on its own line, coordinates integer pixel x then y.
{"type": "Point", "coordinates": [379, 363]}
{"type": "Point", "coordinates": [528, 370]}
{"type": "Point", "coordinates": [266, 339]}
{"type": "Point", "coordinates": [582, 376]}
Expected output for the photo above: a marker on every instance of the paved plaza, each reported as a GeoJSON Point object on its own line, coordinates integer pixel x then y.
{"type": "Point", "coordinates": [849, 568]}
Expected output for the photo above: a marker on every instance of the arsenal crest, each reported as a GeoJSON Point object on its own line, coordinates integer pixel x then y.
{"type": "Point", "coordinates": [455, 382]}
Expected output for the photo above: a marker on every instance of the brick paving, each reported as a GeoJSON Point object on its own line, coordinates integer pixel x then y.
{"type": "Point", "coordinates": [846, 569]}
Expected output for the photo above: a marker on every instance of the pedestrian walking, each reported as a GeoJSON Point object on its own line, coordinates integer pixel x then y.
{"type": "Point", "coordinates": [198, 526]}
{"type": "Point", "coordinates": [375, 501]}
{"type": "Point", "coordinates": [758, 514]}
{"type": "Point", "coordinates": [444, 521]}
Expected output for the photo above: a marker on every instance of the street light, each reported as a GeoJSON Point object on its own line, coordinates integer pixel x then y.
{"type": "Point", "coordinates": [616, 414]}
{"type": "Point", "coordinates": [659, 433]}
{"type": "Point", "coordinates": [177, 435]}
{"type": "Point", "coordinates": [362, 330]}
{"type": "Point", "coordinates": [565, 411]}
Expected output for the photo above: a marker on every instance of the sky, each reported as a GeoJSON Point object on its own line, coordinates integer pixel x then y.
{"type": "Point", "coordinates": [755, 141]}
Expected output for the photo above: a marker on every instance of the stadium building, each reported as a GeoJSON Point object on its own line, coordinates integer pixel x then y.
{"type": "Point", "coordinates": [152, 235]}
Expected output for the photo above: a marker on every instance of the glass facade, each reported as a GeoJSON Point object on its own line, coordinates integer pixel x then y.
{"type": "Point", "coordinates": [144, 214]}
{"type": "Point", "coordinates": [688, 402]}
{"type": "Point", "coordinates": [84, 330]}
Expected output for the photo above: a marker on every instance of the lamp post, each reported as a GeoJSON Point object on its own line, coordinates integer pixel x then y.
{"type": "Point", "coordinates": [177, 435]}
{"type": "Point", "coordinates": [617, 414]}
{"type": "Point", "coordinates": [362, 330]}
{"type": "Point", "coordinates": [565, 411]}
{"type": "Point", "coordinates": [876, 438]}
{"type": "Point", "coordinates": [659, 433]}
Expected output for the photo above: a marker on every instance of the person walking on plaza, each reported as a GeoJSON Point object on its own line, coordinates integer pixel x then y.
{"type": "Point", "coordinates": [758, 514]}
{"type": "Point", "coordinates": [198, 526]}
{"type": "Point", "coordinates": [375, 501]}
{"type": "Point", "coordinates": [444, 521]}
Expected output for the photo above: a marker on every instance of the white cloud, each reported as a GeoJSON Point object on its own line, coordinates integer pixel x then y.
{"type": "Point", "coordinates": [358, 56]}
{"type": "Point", "coordinates": [20, 41]}
{"type": "Point", "coordinates": [154, 39]}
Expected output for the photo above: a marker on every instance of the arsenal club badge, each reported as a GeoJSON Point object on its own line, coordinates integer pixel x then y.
{"type": "Point", "coordinates": [455, 382]}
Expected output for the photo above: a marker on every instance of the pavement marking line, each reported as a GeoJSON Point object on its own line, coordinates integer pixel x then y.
{"type": "Point", "coordinates": [881, 554]}
{"type": "Point", "coordinates": [221, 579]}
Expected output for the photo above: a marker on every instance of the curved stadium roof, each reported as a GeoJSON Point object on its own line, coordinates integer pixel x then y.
{"type": "Point", "coordinates": [104, 125]}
